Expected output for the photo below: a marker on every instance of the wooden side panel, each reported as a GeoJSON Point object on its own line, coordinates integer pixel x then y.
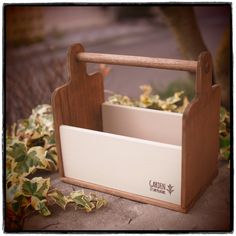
{"type": "Point", "coordinates": [200, 143]}
{"type": "Point", "coordinates": [78, 102]}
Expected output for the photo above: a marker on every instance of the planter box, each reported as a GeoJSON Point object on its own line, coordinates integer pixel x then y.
{"type": "Point", "coordinates": [157, 157]}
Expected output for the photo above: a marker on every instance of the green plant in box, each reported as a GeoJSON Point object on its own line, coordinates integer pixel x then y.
{"type": "Point", "coordinates": [175, 103]}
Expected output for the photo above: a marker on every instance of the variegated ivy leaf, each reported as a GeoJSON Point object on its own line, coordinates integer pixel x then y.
{"type": "Point", "coordinates": [82, 201]}
{"type": "Point", "coordinates": [40, 122]}
{"type": "Point", "coordinates": [49, 139]}
{"type": "Point", "coordinates": [13, 177]}
{"type": "Point", "coordinates": [17, 151]}
{"type": "Point", "coordinates": [120, 100]}
{"type": "Point", "coordinates": [43, 186]}
{"type": "Point", "coordinates": [175, 98]}
{"type": "Point", "coordinates": [51, 157]}
{"type": "Point", "coordinates": [86, 202]}
{"type": "Point", "coordinates": [40, 205]}
{"type": "Point", "coordinates": [147, 100]}
{"type": "Point", "coordinates": [20, 203]}
{"type": "Point", "coordinates": [224, 141]}
{"type": "Point", "coordinates": [24, 201]}
{"type": "Point", "coordinates": [57, 197]}
{"type": "Point", "coordinates": [182, 108]}
{"type": "Point", "coordinates": [224, 131]}
{"type": "Point", "coordinates": [28, 165]}
{"type": "Point", "coordinates": [224, 122]}
{"type": "Point", "coordinates": [225, 152]}
{"type": "Point", "coordinates": [225, 146]}
{"type": "Point", "coordinates": [13, 192]}
{"type": "Point", "coordinates": [224, 115]}
{"type": "Point", "coordinates": [40, 153]}
{"type": "Point", "coordinates": [29, 192]}
{"type": "Point", "coordinates": [42, 116]}
{"type": "Point", "coordinates": [14, 208]}
{"type": "Point", "coordinates": [9, 164]}
{"type": "Point", "coordinates": [99, 202]}
{"type": "Point", "coordinates": [76, 193]}
{"type": "Point", "coordinates": [28, 188]}
{"type": "Point", "coordinates": [37, 187]}
{"type": "Point", "coordinates": [24, 163]}
{"type": "Point", "coordinates": [36, 139]}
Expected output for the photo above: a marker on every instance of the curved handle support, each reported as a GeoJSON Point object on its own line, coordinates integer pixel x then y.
{"type": "Point", "coordinates": [204, 75]}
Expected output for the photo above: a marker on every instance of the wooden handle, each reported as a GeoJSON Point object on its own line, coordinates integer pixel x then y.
{"type": "Point", "coordinates": [161, 63]}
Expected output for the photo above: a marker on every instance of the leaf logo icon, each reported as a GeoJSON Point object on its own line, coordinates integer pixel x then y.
{"type": "Point", "coordinates": [170, 188]}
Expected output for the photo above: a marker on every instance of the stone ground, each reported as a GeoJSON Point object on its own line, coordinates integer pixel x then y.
{"type": "Point", "coordinates": [212, 210]}
{"type": "Point", "coordinates": [210, 213]}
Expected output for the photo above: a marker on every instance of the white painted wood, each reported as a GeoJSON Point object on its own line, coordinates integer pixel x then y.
{"type": "Point", "coordinates": [122, 163]}
{"type": "Point", "coordinates": [149, 124]}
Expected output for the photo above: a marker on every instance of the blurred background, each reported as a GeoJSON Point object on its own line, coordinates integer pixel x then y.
{"type": "Point", "coordinates": [38, 37]}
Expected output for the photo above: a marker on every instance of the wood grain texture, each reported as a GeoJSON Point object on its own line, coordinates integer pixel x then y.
{"type": "Point", "coordinates": [78, 102]}
{"type": "Point", "coordinates": [127, 195]}
{"type": "Point", "coordinates": [161, 63]}
{"type": "Point", "coordinates": [200, 141]}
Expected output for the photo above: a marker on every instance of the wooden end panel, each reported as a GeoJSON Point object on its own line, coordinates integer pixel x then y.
{"type": "Point", "coordinates": [78, 102]}
{"type": "Point", "coordinates": [200, 141]}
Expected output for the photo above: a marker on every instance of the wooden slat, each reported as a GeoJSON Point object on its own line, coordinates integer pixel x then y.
{"type": "Point", "coordinates": [200, 141]}
{"type": "Point", "coordinates": [161, 63]}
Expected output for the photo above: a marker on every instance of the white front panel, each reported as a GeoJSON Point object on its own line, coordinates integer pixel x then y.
{"type": "Point", "coordinates": [123, 163]}
{"type": "Point", "coordinates": [149, 124]}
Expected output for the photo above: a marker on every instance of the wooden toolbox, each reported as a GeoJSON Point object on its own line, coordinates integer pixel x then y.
{"type": "Point", "coordinates": [157, 157]}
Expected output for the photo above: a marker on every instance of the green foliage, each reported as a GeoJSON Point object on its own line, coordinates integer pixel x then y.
{"type": "Point", "coordinates": [87, 202]}
{"type": "Point", "coordinates": [31, 147]}
{"type": "Point", "coordinates": [175, 103]}
{"type": "Point", "coordinates": [224, 133]}
{"type": "Point", "coordinates": [186, 85]}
